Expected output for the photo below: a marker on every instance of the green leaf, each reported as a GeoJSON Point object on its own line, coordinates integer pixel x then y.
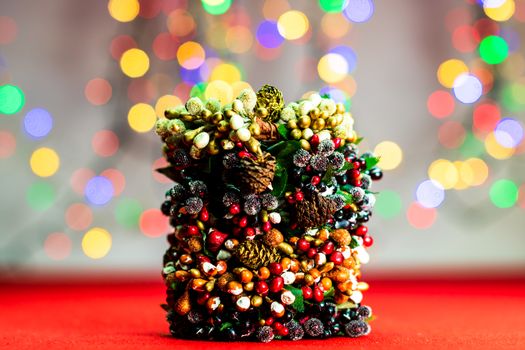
{"type": "Point", "coordinates": [280, 180]}
{"type": "Point", "coordinates": [283, 131]}
{"type": "Point", "coordinates": [348, 198]}
{"type": "Point", "coordinates": [283, 151]}
{"type": "Point", "coordinates": [225, 325]}
{"type": "Point", "coordinates": [371, 162]}
{"type": "Point", "coordinates": [354, 243]}
{"type": "Point", "coordinates": [347, 166]}
{"type": "Point", "coordinates": [358, 141]}
{"type": "Point", "coordinates": [347, 305]}
{"type": "Point", "coordinates": [329, 175]}
{"type": "Point", "coordinates": [329, 293]}
{"type": "Point", "coordinates": [298, 304]}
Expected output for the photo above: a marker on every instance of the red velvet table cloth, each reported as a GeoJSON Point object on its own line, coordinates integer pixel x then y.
{"type": "Point", "coordinates": [409, 315]}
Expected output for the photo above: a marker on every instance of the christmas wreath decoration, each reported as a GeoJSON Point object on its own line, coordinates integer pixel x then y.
{"type": "Point", "coordinates": [269, 209]}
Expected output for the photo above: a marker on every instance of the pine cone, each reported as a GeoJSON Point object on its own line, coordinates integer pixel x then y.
{"type": "Point", "coordinates": [255, 254]}
{"type": "Point", "coordinates": [270, 98]}
{"type": "Point", "coordinates": [314, 210]}
{"type": "Point", "coordinates": [255, 175]}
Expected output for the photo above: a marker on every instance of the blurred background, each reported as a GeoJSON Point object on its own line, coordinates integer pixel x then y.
{"type": "Point", "coordinates": [437, 88]}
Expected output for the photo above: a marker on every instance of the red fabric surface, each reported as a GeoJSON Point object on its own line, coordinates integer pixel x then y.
{"type": "Point", "coordinates": [409, 315]}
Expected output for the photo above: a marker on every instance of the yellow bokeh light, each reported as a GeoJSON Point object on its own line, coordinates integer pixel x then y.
{"type": "Point", "coordinates": [496, 150]}
{"type": "Point", "coordinates": [191, 55]}
{"type": "Point", "coordinates": [44, 162]}
{"type": "Point", "coordinates": [142, 117]}
{"type": "Point", "coordinates": [465, 175]}
{"type": "Point", "coordinates": [335, 25]}
{"type": "Point", "coordinates": [134, 63]}
{"type": "Point", "coordinates": [123, 10]}
{"type": "Point", "coordinates": [226, 72]}
{"type": "Point", "coordinates": [449, 70]}
{"type": "Point", "coordinates": [165, 102]}
{"type": "Point", "coordinates": [220, 90]}
{"type": "Point", "coordinates": [292, 24]}
{"type": "Point", "coordinates": [238, 86]}
{"type": "Point", "coordinates": [390, 155]}
{"type": "Point", "coordinates": [239, 39]}
{"type": "Point", "coordinates": [96, 243]}
{"type": "Point", "coordinates": [480, 171]}
{"type": "Point", "coordinates": [332, 68]}
{"type": "Point", "coordinates": [444, 172]}
{"type": "Point", "coordinates": [501, 13]}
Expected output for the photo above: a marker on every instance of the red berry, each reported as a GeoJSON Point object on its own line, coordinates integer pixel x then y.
{"type": "Point", "coordinates": [275, 268]}
{"type": "Point", "coordinates": [357, 183]}
{"type": "Point", "coordinates": [278, 325]}
{"type": "Point", "coordinates": [269, 321]}
{"type": "Point", "coordinates": [235, 209]}
{"type": "Point", "coordinates": [361, 231]}
{"type": "Point", "coordinates": [337, 258]}
{"type": "Point", "coordinates": [368, 241]}
{"type": "Point", "coordinates": [243, 154]}
{"type": "Point", "coordinates": [303, 244]}
{"type": "Point", "coordinates": [202, 298]}
{"type": "Point", "coordinates": [354, 173]}
{"type": "Point", "coordinates": [315, 180]}
{"type": "Point", "coordinates": [283, 332]}
{"type": "Point", "coordinates": [204, 215]}
{"type": "Point", "coordinates": [243, 222]}
{"type": "Point", "coordinates": [239, 144]}
{"type": "Point", "coordinates": [328, 248]}
{"type": "Point", "coordinates": [290, 199]}
{"type": "Point", "coordinates": [267, 226]}
{"type": "Point", "coordinates": [356, 165]}
{"type": "Point", "coordinates": [318, 294]}
{"type": "Point", "coordinates": [262, 288]}
{"type": "Point", "coordinates": [299, 196]}
{"type": "Point", "coordinates": [311, 253]}
{"type": "Point", "coordinates": [307, 292]}
{"type": "Point", "coordinates": [203, 259]}
{"type": "Point", "coordinates": [236, 231]}
{"type": "Point", "coordinates": [249, 232]}
{"type": "Point", "coordinates": [337, 142]}
{"type": "Point", "coordinates": [314, 141]}
{"type": "Point", "coordinates": [276, 284]}
{"type": "Point", "coordinates": [192, 231]}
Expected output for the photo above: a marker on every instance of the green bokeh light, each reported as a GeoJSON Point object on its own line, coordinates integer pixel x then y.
{"type": "Point", "coordinates": [471, 147]}
{"type": "Point", "coordinates": [11, 99]}
{"type": "Point", "coordinates": [388, 204]}
{"type": "Point", "coordinates": [513, 97]}
{"type": "Point", "coordinates": [504, 193]}
{"type": "Point", "coordinates": [493, 49]}
{"type": "Point", "coordinates": [215, 7]}
{"type": "Point", "coordinates": [127, 213]}
{"type": "Point", "coordinates": [198, 90]}
{"type": "Point", "coordinates": [332, 6]}
{"type": "Point", "coordinates": [40, 195]}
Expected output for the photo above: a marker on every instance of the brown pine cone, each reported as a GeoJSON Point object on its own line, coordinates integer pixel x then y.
{"type": "Point", "coordinates": [314, 210]}
{"type": "Point", "coordinates": [255, 175]}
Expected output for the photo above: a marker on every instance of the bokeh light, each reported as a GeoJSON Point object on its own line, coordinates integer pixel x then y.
{"type": "Point", "coordinates": [44, 162]}
{"type": "Point", "coordinates": [105, 143]}
{"type": "Point", "coordinates": [486, 117]}
{"type": "Point", "coordinates": [160, 163]}
{"type": "Point", "coordinates": [496, 150]}
{"type": "Point", "coordinates": [8, 30]}
{"type": "Point", "coordinates": [118, 180]}
{"type": "Point", "coordinates": [142, 117]}
{"type": "Point", "coordinates": [57, 246]}
{"type": "Point", "coordinates": [180, 23]}
{"type": "Point", "coordinates": [165, 102]}
{"type": "Point", "coordinates": [134, 63]}
{"type": "Point", "coordinates": [80, 178]}
{"type": "Point", "coordinates": [509, 133]}
{"type": "Point", "coordinates": [165, 46]}
{"type": "Point", "coordinates": [78, 216]}
{"type": "Point", "coordinates": [440, 104]}
{"type": "Point", "coordinates": [333, 5]}
{"type": "Point", "coordinates": [480, 171]}
{"type": "Point", "coordinates": [444, 172]}
{"type": "Point", "coordinates": [12, 99]}
{"type": "Point", "coordinates": [216, 7]}
{"type": "Point", "coordinates": [467, 88]}
{"type": "Point", "coordinates": [98, 91]}
{"type": "Point", "coordinates": [292, 25]}
{"type": "Point", "coordinates": [123, 10]}
{"type": "Point", "coordinates": [96, 243]}
{"type": "Point", "coordinates": [451, 134]}
{"type": "Point", "coordinates": [430, 194]}
{"type": "Point", "coordinates": [332, 68]}
{"type": "Point", "coordinates": [268, 35]}
{"type": "Point", "coordinates": [38, 123]}
{"type": "Point", "coordinates": [335, 25]}
{"type": "Point", "coordinates": [449, 70]}
{"type": "Point", "coordinates": [421, 217]}
{"type": "Point", "coordinates": [388, 204]}
{"type": "Point", "coordinates": [121, 44]}
{"type": "Point", "coordinates": [153, 223]}
{"type": "Point", "coordinates": [128, 212]}
{"type": "Point", "coordinates": [99, 191]}
{"type": "Point", "coordinates": [226, 72]}
{"type": "Point", "coordinates": [499, 10]}
{"type": "Point", "coordinates": [390, 155]}
{"type": "Point", "coordinates": [239, 39]}
{"type": "Point", "coordinates": [465, 38]}
{"type": "Point", "coordinates": [40, 195]}
{"type": "Point", "coordinates": [504, 193]}
{"type": "Point", "coordinates": [220, 90]}
{"type": "Point", "coordinates": [191, 55]}
{"type": "Point", "coordinates": [348, 54]}
{"type": "Point", "coordinates": [7, 144]}
{"type": "Point", "coordinates": [359, 11]}
{"type": "Point", "coordinates": [493, 49]}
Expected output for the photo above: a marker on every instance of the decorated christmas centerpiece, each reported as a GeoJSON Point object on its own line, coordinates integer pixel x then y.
{"type": "Point", "coordinates": [269, 209]}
